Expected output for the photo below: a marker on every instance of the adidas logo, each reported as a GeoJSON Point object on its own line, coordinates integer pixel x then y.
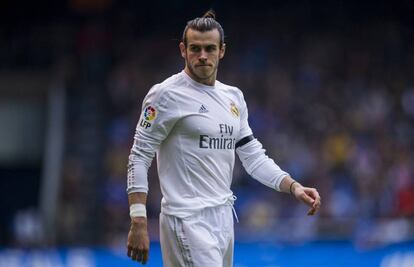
{"type": "Point", "coordinates": [202, 109]}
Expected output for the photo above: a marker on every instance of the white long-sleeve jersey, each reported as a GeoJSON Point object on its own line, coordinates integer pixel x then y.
{"type": "Point", "coordinates": [194, 130]}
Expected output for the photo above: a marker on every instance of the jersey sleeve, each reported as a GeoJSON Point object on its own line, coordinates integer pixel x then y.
{"type": "Point", "coordinates": [158, 116]}
{"type": "Point", "coordinates": [259, 165]}
{"type": "Point", "coordinates": [245, 130]}
{"type": "Point", "coordinates": [253, 156]}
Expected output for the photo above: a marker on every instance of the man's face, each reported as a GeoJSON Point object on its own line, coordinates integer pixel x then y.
{"type": "Point", "coordinates": [202, 54]}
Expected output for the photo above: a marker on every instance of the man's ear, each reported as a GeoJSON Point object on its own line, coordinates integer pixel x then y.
{"type": "Point", "coordinates": [182, 50]}
{"type": "Point", "coordinates": [222, 51]}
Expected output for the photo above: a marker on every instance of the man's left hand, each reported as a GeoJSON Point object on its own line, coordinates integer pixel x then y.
{"type": "Point", "coordinates": [309, 196]}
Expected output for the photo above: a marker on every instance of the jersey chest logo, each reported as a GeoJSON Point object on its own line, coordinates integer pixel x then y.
{"type": "Point", "coordinates": [203, 109]}
{"type": "Point", "coordinates": [234, 110]}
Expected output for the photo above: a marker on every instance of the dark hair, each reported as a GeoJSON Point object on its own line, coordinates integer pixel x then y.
{"type": "Point", "coordinates": [206, 23]}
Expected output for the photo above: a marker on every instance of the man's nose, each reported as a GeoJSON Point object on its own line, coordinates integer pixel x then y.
{"type": "Point", "coordinates": [203, 55]}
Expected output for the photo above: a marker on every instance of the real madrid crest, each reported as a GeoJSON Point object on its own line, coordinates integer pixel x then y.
{"type": "Point", "coordinates": [234, 110]}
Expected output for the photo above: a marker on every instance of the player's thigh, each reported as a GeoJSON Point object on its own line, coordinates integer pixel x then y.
{"type": "Point", "coordinates": [228, 239]}
{"type": "Point", "coordinates": [170, 247]}
{"type": "Point", "coordinates": [203, 242]}
{"type": "Point", "coordinates": [188, 242]}
{"type": "Point", "coordinates": [228, 254]}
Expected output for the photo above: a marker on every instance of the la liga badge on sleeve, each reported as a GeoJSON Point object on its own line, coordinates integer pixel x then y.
{"type": "Point", "coordinates": [149, 114]}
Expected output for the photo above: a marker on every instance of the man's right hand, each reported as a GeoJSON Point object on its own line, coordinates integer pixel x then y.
{"type": "Point", "coordinates": [138, 240]}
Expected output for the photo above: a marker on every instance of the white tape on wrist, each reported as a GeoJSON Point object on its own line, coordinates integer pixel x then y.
{"type": "Point", "coordinates": [137, 210]}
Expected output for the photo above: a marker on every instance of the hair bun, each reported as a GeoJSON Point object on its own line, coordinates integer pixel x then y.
{"type": "Point", "coordinates": [210, 14]}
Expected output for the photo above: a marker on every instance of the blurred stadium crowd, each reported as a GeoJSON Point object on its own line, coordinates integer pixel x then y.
{"type": "Point", "coordinates": [330, 94]}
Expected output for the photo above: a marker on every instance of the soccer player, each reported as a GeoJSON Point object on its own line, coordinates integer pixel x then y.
{"type": "Point", "coordinates": [195, 124]}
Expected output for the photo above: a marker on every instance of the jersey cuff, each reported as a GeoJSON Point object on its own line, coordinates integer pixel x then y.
{"type": "Point", "coordinates": [244, 140]}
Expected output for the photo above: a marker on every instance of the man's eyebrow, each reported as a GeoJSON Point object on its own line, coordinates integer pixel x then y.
{"type": "Point", "coordinates": [205, 45]}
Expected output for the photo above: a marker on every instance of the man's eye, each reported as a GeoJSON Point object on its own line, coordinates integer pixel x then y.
{"type": "Point", "coordinates": [210, 48]}
{"type": "Point", "coordinates": [195, 49]}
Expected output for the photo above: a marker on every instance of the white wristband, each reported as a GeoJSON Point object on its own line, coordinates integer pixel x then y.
{"type": "Point", "coordinates": [137, 210]}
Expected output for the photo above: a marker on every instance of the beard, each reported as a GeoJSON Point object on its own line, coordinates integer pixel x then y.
{"type": "Point", "coordinates": [199, 73]}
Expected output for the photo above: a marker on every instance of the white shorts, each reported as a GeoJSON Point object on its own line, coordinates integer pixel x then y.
{"type": "Point", "coordinates": [205, 239]}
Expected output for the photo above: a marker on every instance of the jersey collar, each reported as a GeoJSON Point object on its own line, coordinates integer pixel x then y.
{"type": "Point", "coordinates": [195, 83]}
